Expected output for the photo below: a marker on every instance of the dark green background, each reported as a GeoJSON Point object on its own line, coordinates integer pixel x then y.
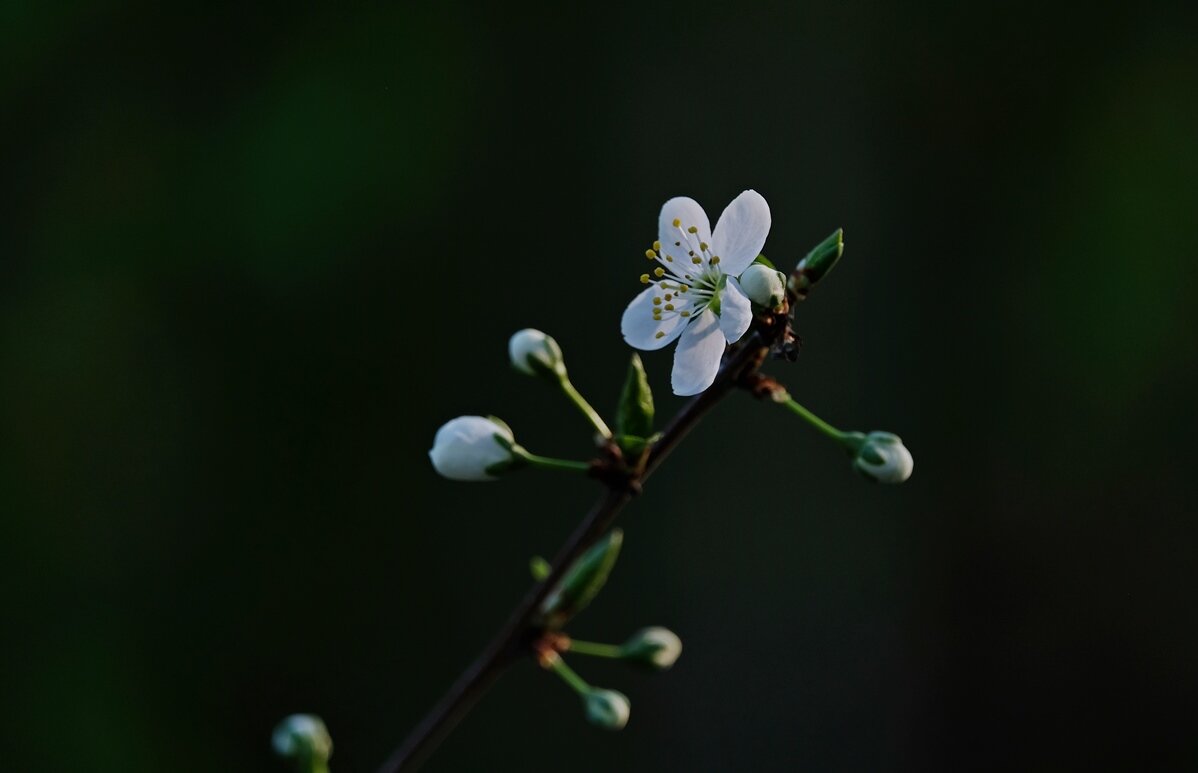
{"type": "Point", "coordinates": [252, 257]}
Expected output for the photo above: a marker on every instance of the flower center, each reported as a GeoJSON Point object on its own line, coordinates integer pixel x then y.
{"type": "Point", "coordinates": [688, 276]}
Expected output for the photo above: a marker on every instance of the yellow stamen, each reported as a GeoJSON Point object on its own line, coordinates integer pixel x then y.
{"type": "Point", "coordinates": [669, 296]}
{"type": "Point", "coordinates": [692, 230]}
{"type": "Point", "coordinates": [659, 272]}
{"type": "Point", "coordinates": [684, 313]}
{"type": "Point", "coordinates": [660, 334]}
{"type": "Point", "coordinates": [715, 259]}
{"type": "Point", "coordinates": [669, 307]}
{"type": "Point", "coordinates": [650, 254]}
{"type": "Point", "coordinates": [657, 301]}
{"type": "Point", "coordinates": [677, 222]}
{"type": "Point", "coordinates": [703, 246]}
{"type": "Point", "coordinates": [696, 260]}
{"type": "Point", "coordinates": [657, 246]}
{"type": "Point", "coordinates": [644, 279]}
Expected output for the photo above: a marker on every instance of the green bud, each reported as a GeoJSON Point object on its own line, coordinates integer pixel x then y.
{"type": "Point", "coordinates": [583, 581]}
{"type": "Point", "coordinates": [303, 739]}
{"type": "Point", "coordinates": [536, 354]}
{"type": "Point", "coordinates": [816, 265]}
{"type": "Point", "coordinates": [606, 708]}
{"type": "Point", "coordinates": [655, 647]}
{"type": "Point", "coordinates": [881, 457]}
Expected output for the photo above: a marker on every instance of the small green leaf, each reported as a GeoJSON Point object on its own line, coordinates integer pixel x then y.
{"type": "Point", "coordinates": [539, 568]}
{"type": "Point", "coordinates": [634, 418]}
{"type": "Point", "coordinates": [763, 260]}
{"type": "Point", "coordinates": [583, 581]}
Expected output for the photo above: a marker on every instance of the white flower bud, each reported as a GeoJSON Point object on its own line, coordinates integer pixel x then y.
{"type": "Point", "coordinates": [304, 739]}
{"type": "Point", "coordinates": [764, 286]}
{"type": "Point", "coordinates": [536, 354]}
{"type": "Point", "coordinates": [472, 448]}
{"type": "Point", "coordinates": [607, 708]}
{"type": "Point", "coordinates": [657, 647]}
{"type": "Point", "coordinates": [883, 458]}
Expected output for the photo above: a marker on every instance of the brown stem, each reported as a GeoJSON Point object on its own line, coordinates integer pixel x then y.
{"type": "Point", "coordinates": [512, 640]}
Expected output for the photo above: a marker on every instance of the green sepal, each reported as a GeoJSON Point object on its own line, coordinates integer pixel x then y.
{"type": "Point", "coordinates": [634, 417]}
{"type": "Point", "coordinates": [583, 581]}
{"type": "Point", "coordinates": [763, 260]}
{"type": "Point", "coordinates": [714, 304]}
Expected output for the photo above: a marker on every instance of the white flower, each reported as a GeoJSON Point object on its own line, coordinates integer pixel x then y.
{"type": "Point", "coordinates": [303, 736]}
{"type": "Point", "coordinates": [607, 708]}
{"type": "Point", "coordinates": [694, 294]}
{"type": "Point", "coordinates": [765, 286]}
{"type": "Point", "coordinates": [535, 353]}
{"type": "Point", "coordinates": [883, 458]}
{"type": "Point", "coordinates": [468, 446]}
{"type": "Point", "coordinates": [655, 646]}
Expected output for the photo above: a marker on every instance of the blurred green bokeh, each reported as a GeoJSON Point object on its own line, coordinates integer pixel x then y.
{"type": "Point", "coordinates": [252, 257]}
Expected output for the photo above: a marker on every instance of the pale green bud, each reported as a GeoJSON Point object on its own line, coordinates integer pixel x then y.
{"type": "Point", "coordinates": [883, 458]}
{"type": "Point", "coordinates": [606, 708]}
{"type": "Point", "coordinates": [303, 739]}
{"type": "Point", "coordinates": [765, 286]}
{"type": "Point", "coordinates": [656, 647]}
{"type": "Point", "coordinates": [536, 354]}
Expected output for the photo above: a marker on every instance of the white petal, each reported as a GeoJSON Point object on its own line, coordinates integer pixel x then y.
{"type": "Point", "coordinates": [741, 231]}
{"type": "Point", "coordinates": [697, 358]}
{"type": "Point", "coordinates": [736, 312]}
{"type": "Point", "coordinates": [465, 447]}
{"type": "Point", "coordinates": [679, 243]}
{"type": "Point", "coordinates": [640, 329]}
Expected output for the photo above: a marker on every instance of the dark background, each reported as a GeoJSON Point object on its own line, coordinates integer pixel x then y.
{"type": "Point", "coordinates": [252, 258]}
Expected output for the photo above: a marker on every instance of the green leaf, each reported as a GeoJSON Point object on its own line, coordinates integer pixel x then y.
{"type": "Point", "coordinates": [763, 260]}
{"type": "Point", "coordinates": [583, 581]}
{"type": "Point", "coordinates": [634, 417]}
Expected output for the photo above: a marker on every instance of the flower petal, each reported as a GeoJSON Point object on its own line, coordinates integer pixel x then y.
{"type": "Point", "coordinates": [697, 358]}
{"type": "Point", "coordinates": [640, 329]}
{"type": "Point", "coordinates": [736, 311]}
{"type": "Point", "coordinates": [678, 242]}
{"type": "Point", "coordinates": [741, 231]}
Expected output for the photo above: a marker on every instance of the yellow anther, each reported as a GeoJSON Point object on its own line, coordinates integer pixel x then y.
{"type": "Point", "coordinates": [644, 279]}
{"type": "Point", "coordinates": [703, 246]}
{"type": "Point", "coordinates": [669, 258]}
{"type": "Point", "coordinates": [684, 313]}
{"type": "Point", "coordinates": [692, 230]}
{"type": "Point", "coordinates": [669, 307]}
{"type": "Point", "coordinates": [659, 272]}
{"type": "Point", "coordinates": [656, 301]}
{"type": "Point", "coordinates": [650, 254]}
{"type": "Point", "coordinates": [684, 288]}
{"type": "Point", "coordinates": [677, 222]}
{"type": "Point", "coordinates": [715, 259]}
{"type": "Point", "coordinates": [696, 260]}
{"type": "Point", "coordinates": [656, 246]}
{"type": "Point", "coordinates": [669, 296]}
{"type": "Point", "coordinates": [660, 334]}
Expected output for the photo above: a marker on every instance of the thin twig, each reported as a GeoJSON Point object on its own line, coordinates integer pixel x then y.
{"type": "Point", "coordinates": [512, 640]}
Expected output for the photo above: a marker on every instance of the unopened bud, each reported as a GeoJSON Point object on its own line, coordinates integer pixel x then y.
{"type": "Point", "coordinates": [606, 708]}
{"type": "Point", "coordinates": [765, 286]}
{"type": "Point", "coordinates": [303, 739]}
{"type": "Point", "coordinates": [473, 448]}
{"type": "Point", "coordinates": [816, 265]}
{"type": "Point", "coordinates": [883, 458]}
{"type": "Point", "coordinates": [537, 354]}
{"type": "Point", "coordinates": [656, 647]}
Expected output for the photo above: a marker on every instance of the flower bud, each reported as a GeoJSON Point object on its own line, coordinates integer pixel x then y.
{"type": "Point", "coordinates": [883, 458]}
{"type": "Point", "coordinates": [473, 448]}
{"type": "Point", "coordinates": [536, 354]}
{"type": "Point", "coordinates": [765, 286]}
{"type": "Point", "coordinates": [303, 739]}
{"type": "Point", "coordinates": [606, 708]}
{"type": "Point", "coordinates": [656, 647]}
